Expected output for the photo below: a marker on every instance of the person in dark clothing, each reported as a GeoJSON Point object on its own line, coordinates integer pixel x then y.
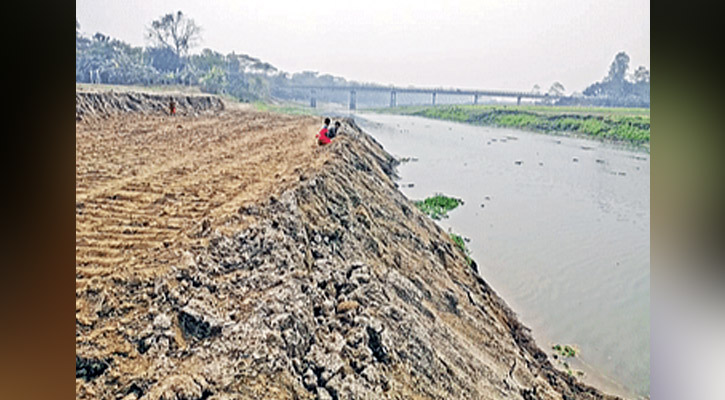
{"type": "Point", "coordinates": [334, 130]}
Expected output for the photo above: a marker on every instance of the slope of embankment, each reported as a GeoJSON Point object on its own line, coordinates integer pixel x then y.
{"type": "Point", "coordinates": [107, 103]}
{"type": "Point", "coordinates": [289, 271]}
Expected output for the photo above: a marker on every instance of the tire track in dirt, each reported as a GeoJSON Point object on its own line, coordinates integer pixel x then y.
{"type": "Point", "coordinates": [151, 187]}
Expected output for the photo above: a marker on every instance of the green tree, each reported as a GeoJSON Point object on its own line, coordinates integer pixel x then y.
{"type": "Point", "coordinates": [618, 68]}
{"type": "Point", "coordinates": [214, 81]}
{"type": "Point", "coordinates": [557, 89]}
{"type": "Point", "coordinates": [641, 75]}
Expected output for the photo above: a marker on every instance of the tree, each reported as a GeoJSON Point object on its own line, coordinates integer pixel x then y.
{"type": "Point", "coordinates": [164, 59]}
{"type": "Point", "coordinates": [618, 68]}
{"type": "Point", "coordinates": [619, 88]}
{"type": "Point", "coordinates": [641, 75]}
{"type": "Point", "coordinates": [557, 89]}
{"type": "Point", "coordinates": [176, 32]}
{"type": "Point", "coordinates": [214, 80]}
{"type": "Point", "coordinates": [536, 89]}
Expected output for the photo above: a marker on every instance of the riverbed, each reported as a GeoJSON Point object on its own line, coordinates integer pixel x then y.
{"type": "Point", "coordinates": [559, 227]}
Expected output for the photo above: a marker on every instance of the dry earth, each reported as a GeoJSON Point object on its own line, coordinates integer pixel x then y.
{"type": "Point", "coordinates": [222, 255]}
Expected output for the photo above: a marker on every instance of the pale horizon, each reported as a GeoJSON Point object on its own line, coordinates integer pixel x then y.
{"type": "Point", "coordinates": [481, 44]}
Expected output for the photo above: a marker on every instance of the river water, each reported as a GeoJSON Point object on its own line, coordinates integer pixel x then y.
{"type": "Point", "coordinates": [558, 226]}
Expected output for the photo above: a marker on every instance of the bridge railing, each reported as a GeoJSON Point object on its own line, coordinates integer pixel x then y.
{"type": "Point", "coordinates": [394, 91]}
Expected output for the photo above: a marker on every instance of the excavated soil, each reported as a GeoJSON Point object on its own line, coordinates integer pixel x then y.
{"type": "Point", "coordinates": [94, 103]}
{"type": "Point", "coordinates": [224, 255]}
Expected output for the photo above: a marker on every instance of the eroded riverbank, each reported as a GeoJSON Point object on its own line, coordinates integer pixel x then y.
{"type": "Point", "coordinates": [246, 262]}
{"type": "Point", "coordinates": [559, 226]}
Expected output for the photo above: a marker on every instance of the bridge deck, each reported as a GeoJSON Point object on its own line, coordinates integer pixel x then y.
{"type": "Point", "coordinates": [462, 92]}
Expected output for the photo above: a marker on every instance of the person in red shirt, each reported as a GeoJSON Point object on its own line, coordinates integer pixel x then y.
{"type": "Point", "coordinates": [322, 138]}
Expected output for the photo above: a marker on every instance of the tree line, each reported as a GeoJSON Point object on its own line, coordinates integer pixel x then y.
{"type": "Point", "coordinates": [102, 59]}
{"type": "Point", "coordinates": [619, 88]}
{"type": "Point", "coordinates": [166, 61]}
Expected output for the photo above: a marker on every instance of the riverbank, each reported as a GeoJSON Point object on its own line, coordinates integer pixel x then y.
{"type": "Point", "coordinates": [223, 254]}
{"type": "Point", "coordinates": [559, 226]}
{"type": "Point", "coordinates": [626, 126]}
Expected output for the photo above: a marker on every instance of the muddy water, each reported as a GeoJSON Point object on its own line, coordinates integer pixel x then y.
{"type": "Point", "coordinates": [559, 227]}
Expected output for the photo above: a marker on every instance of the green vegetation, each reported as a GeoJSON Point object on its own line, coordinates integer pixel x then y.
{"type": "Point", "coordinates": [458, 240]}
{"type": "Point", "coordinates": [630, 125]}
{"type": "Point", "coordinates": [565, 351]}
{"type": "Point", "coordinates": [438, 206]}
{"type": "Point", "coordinates": [461, 244]}
{"type": "Point", "coordinates": [291, 109]}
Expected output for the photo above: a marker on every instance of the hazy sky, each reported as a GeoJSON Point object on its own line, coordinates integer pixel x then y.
{"type": "Point", "coordinates": [487, 44]}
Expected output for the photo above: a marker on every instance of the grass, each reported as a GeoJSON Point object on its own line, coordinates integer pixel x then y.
{"type": "Point", "coordinates": [630, 125]}
{"type": "Point", "coordinates": [565, 351]}
{"type": "Point", "coordinates": [461, 244]}
{"type": "Point", "coordinates": [290, 109]}
{"type": "Point", "coordinates": [437, 207]}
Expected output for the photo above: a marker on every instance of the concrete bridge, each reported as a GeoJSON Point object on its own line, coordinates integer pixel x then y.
{"type": "Point", "coordinates": [394, 91]}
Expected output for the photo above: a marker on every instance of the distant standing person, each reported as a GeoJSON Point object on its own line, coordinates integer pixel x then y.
{"type": "Point", "coordinates": [172, 107]}
{"type": "Point", "coordinates": [334, 130]}
{"type": "Point", "coordinates": [322, 138]}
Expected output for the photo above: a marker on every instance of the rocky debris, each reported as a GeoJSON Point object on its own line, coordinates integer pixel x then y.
{"type": "Point", "coordinates": [99, 104]}
{"type": "Point", "coordinates": [194, 325]}
{"type": "Point", "coordinates": [89, 369]}
{"type": "Point", "coordinates": [180, 387]}
{"type": "Point", "coordinates": [339, 289]}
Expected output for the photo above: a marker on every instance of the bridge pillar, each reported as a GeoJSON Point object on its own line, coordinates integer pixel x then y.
{"type": "Point", "coordinates": [475, 99]}
{"type": "Point", "coordinates": [353, 104]}
{"type": "Point", "coordinates": [393, 98]}
{"type": "Point", "coordinates": [434, 98]}
{"type": "Point", "coordinates": [518, 101]}
{"type": "Point", "coordinates": [313, 100]}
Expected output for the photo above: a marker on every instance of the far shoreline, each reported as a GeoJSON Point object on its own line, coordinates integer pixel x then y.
{"type": "Point", "coordinates": [625, 127]}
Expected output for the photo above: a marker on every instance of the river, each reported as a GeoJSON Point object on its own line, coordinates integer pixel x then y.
{"type": "Point", "coordinates": [558, 226]}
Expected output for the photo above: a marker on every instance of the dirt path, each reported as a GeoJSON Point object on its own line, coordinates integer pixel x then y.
{"type": "Point", "coordinates": [150, 187]}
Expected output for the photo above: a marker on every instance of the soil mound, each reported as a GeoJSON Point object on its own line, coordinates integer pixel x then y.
{"type": "Point", "coordinates": [99, 103]}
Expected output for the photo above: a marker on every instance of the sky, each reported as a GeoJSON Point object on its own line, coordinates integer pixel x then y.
{"type": "Point", "coordinates": [479, 44]}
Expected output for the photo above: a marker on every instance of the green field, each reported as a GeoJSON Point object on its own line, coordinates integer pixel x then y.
{"type": "Point", "coordinates": [627, 125]}
{"type": "Point", "coordinates": [285, 108]}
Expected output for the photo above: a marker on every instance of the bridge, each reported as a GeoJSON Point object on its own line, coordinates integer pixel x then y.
{"type": "Point", "coordinates": [394, 91]}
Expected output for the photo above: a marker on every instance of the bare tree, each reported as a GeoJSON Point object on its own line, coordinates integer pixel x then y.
{"type": "Point", "coordinates": [176, 32]}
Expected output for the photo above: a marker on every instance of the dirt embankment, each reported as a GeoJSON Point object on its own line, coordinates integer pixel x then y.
{"type": "Point", "coordinates": [92, 103]}
{"type": "Point", "coordinates": [231, 258]}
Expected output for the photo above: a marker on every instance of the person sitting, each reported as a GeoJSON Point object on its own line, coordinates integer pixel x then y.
{"type": "Point", "coordinates": [322, 138]}
{"type": "Point", "coordinates": [334, 130]}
